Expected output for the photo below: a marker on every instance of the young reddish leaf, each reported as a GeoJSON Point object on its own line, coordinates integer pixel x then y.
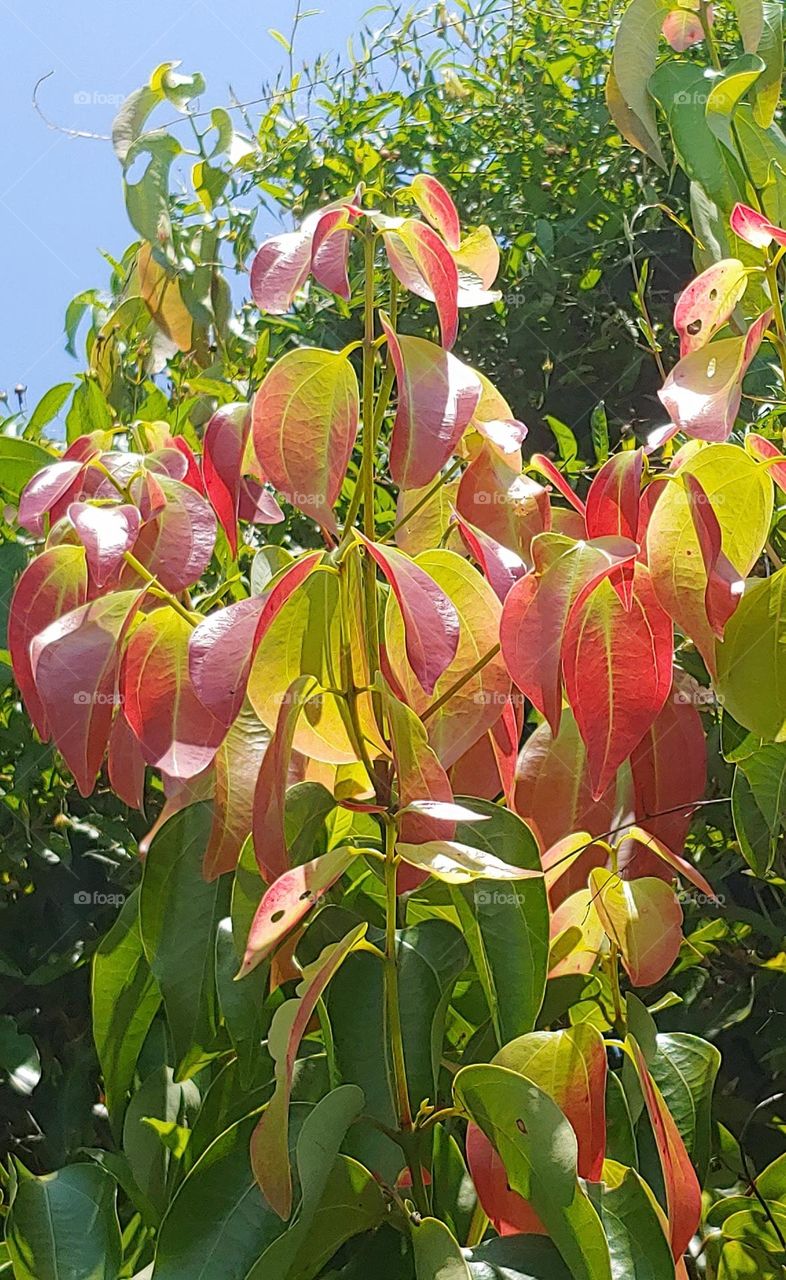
{"type": "Point", "coordinates": [758, 447]}
{"type": "Point", "coordinates": [501, 566]}
{"type": "Point", "coordinates": [568, 863]}
{"type": "Point", "coordinates": [553, 788]}
{"type": "Point", "coordinates": [458, 863]}
{"type": "Point", "coordinates": [493, 419]}
{"type": "Point", "coordinates": [45, 490]}
{"type": "Point", "coordinates": [176, 544]}
{"type": "Point", "coordinates": [192, 475]}
{"type": "Point", "coordinates": [53, 584]}
{"type": "Point", "coordinates": [270, 1140]}
{"type": "Point", "coordinates": [330, 251]}
{"type": "Point", "coordinates": [708, 302]}
{"type": "Point", "coordinates": [495, 497]}
{"type": "Point", "coordinates": [437, 207]}
{"type": "Point", "coordinates": [305, 419]}
{"type": "Point", "coordinates": [617, 665]}
{"type": "Point", "coordinates": [288, 901]}
{"type": "Point", "coordinates": [479, 701]}
{"type": "Point", "coordinates": [683, 1193]}
{"type": "Point", "coordinates": [236, 766]}
{"type": "Point", "coordinates": [222, 464]}
{"type": "Point", "coordinates": [222, 646]}
{"type": "Point", "coordinates": [437, 396]}
{"type": "Point", "coordinates": [106, 533]}
{"type": "Point", "coordinates": [674, 860]}
{"type": "Point", "coordinates": [431, 623]}
{"type": "Point", "coordinates": [682, 29]}
{"type": "Point", "coordinates": [125, 763]}
{"type": "Point", "coordinates": [702, 393]}
{"type": "Point", "coordinates": [421, 260]}
{"type": "Point", "coordinates": [75, 663]}
{"type": "Point", "coordinates": [537, 610]}
{"type": "Point", "coordinates": [176, 731]}
{"type": "Point", "coordinates": [280, 269]}
{"type": "Point", "coordinates": [418, 771]}
{"type": "Point", "coordinates": [644, 918]}
{"type": "Point", "coordinates": [539, 462]}
{"type": "Point", "coordinates": [508, 1212]}
{"type": "Point", "coordinates": [754, 228]}
{"type": "Point", "coordinates": [669, 769]}
{"type": "Point", "coordinates": [614, 497]}
{"type": "Point", "coordinates": [724, 584]}
{"type": "Point", "coordinates": [257, 505]}
{"type": "Point", "coordinates": [577, 935]}
{"type": "Point", "coordinates": [505, 736]}
{"type": "Point", "coordinates": [270, 842]}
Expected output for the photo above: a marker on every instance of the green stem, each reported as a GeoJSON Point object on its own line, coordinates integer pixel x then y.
{"type": "Point", "coordinates": [426, 497]}
{"type": "Point", "coordinates": [777, 305]}
{"type": "Point", "coordinates": [455, 688]}
{"type": "Point", "coordinates": [616, 994]}
{"type": "Point", "coordinates": [157, 589]}
{"type": "Point", "coordinates": [392, 1004]}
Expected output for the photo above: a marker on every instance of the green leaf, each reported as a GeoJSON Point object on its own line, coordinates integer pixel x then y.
{"type": "Point", "coordinates": [635, 54]}
{"type": "Point", "coordinates": [437, 1253]}
{"type": "Point", "coordinates": [599, 428]}
{"type": "Point", "coordinates": [19, 1060]}
{"type": "Point", "coordinates": [566, 441]}
{"type": "Point", "coordinates": [162, 1099]}
{"type": "Point", "coordinates": [19, 461]}
{"type": "Point", "coordinates": [89, 411]}
{"type": "Point", "coordinates": [242, 1003]}
{"type": "Point", "coordinates": [684, 1068]}
{"type": "Point", "coordinates": [179, 914]}
{"type": "Point", "coordinates": [125, 1000]}
{"type": "Point", "coordinates": [759, 804]}
{"type": "Point", "coordinates": [506, 925]}
{"type": "Point", "coordinates": [48, 407]}
{"type": "Point", "coordinates": [767, 91]}
{"type": "Point", "coordinates": [147, 199]}
{"type": "Point", "coordinates": [218, 1223]}
{"type": "Point", "coordinates": [64, 1225]}
{"type": "Point", "coordinates": [628, 1211]}
{"type": "Point", "coordinates": [538, 1149]}
{"type": "Point", "coordinates": [752, 659]}
{"type": "Point", "coordinates": [750, 19]}
{"type": "Point", "coordinates": [517, 1258]}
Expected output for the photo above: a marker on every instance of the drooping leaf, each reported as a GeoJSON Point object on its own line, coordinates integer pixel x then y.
{"type": "Point", "coordinates": [176, 732]}
{"type": "Point", "coordinates": [437, 206]}
{"type": "Point", "coordinates": [669, 769]}
{"type": "Point", "coordinates": [553, 790]}
{"type": "Point", "coordinates": [437, 396]}
{"type": "Point", "coordinates": [702, 393]}
{"type": "Point", "coordinates": [270, 844]}
{"type": "Point", "coordinates": [644, 918]}
{"type": "Point", "coordinates": [305, 419]}
{"type": "Point", "coordinates": [224, 447]}
{"type": "Point", "coordinates": [421, 260]}
{"type": "Point", "coordinates": [635, 54]}
{"type": "Point", "coordinates": [45, 490]}
{"type": "Point", "coordinates": [237, 763]}
{"type": "Point", "coordinates": [752, 227]}
{"type": "Point", "coordinates": [437, 1252]}
{"type": "Point", "coordinates": [495, 497]}
{"type": "Point", "coordinates": [684, 1067]}
{"type": "Point", "coordinates": [682, 29]}
{"type": "Point", "coordinates": [175, 544]}
{"type": "Point", "coordinates": [75, 665]}
{"type": "Point", "coordinates": [269, 1142]}
{"type": "Point", "coordinates": [106, 533]}
{"type": "Point", "coordinates": [501, 566]}
{"type": "Point", "coordinates": [52, 585]}
{"type": "Point", "coordinates": [618, 670]}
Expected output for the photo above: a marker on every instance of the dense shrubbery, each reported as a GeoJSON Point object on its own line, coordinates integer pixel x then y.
{"type": "Point", "coordinates": [508, 966]}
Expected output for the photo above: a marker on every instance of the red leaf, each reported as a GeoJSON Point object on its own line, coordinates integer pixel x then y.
{"type": "Point", "coordinates": [176, 731]}
{"type": "Point", "coordinates": [222, 646]}
{"type": "Point", "coordinates": [669, 768]}
{"type": "Point", "coordinates": [270, 844]}
{"type": "Point", "coordinates": [192, 476]}
{"type": "Point", "coordinates": [106, 533]}
{"type": "Point", "coordinates": [177, 543]}
{"type": "Point", "coordinates": [330, 252]}
{"type": "Point", "coordinates": [765, 451]}
{"type": "Point", "coordinates": [496, 498]}
{"type": "Point", "coordinates": [437, 206]}
{"type": "Point", "coordinates": [222, 464]}
{"type": "Point", "coordinates": [305, 420]}
{"type": "Point", "coordinates": [421, 260]}
{"type": "Point", "coordinates": [75, 663]}
{"type": "Point", "coordinates": [501, 566]}
{"type": "Point", "coordinates": [612, 508]}
{"type": "Point", "coordinates": [724, 585]}
{"type": "Point", "coordinates": [553, 790]}
{"type": "Point", "coordinates": [125, 763]}
{"type": "Point", "coordinates": [437, 396]}
{"type": "Point", "coordinates": [708, 302]}
{"type": "Point", "coordinates": [52, 585]}
{"type": "Point", "coordinates": [683, 1193]}
{"type": "Point", "coordinates": [257, 505]}
{"type": "Point", "coordinates": [43, 492]}
{"type": "Point", "coordinates": [431, 623]}
{"type": "Point", "coordinates": [617, 667]}
{"type": "Point", "coordinates": [537, 609]}
{"type": "Point", "coordinates": [754, 228]}
{"type": "Point", "coordinates": [546, 467]}
{"type": "Point", "coordinates": [280, 269]}
{"type": "Point", "coordinates": [420, 777]}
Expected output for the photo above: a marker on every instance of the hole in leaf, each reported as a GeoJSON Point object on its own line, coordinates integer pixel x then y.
{"type": "Point", "coordinates": [713, 294]}
{"type": "Point", "coordinates": [305, 895]}
{"type": "Point", "coordinates": [276, 916]}
{"type": "Point", "coordinates": [711, 367]}
{"type": "Point", "coordinates": [520, 1125]}
{"type": "Point", "coordinates": [694, 327]}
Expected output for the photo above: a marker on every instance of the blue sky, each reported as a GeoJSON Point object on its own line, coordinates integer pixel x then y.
{"type": "Point", "coordinates": [60, 197]}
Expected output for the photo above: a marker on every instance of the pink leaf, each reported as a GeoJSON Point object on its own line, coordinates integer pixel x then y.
{"type": "Point", "coordinates": [437, 396]}
{"type": "Point", "coordinates": [280, 269]}
{"type": "Point", "coordinates": [431, 623]}
{"type": "Point", "coordinates": [106, 533]}
{"type": "Point", "coordinates": [421, 260]}
{"type": "Point", "coordinates": [502, 567]}
{"type": "Point", "coordinates": [496, 498]}
{"type": "Point", "coordinates": [125, 763]}
{"type": "Point", "coordinates": [669, 768]}
{"type": "Point", "coordinates": [437, 207]}
{"type": "Point", "coordinates": [765, 451]}
{"type": "Point", "coordinates": [270, 844]}
{"type": "Point", "coordinates": [42, 493]}
{"type": "Point", "coordinates": [708, 302]}
{"type": "Point", "coordinates": [236, 767]}
{"type": "Point", "coordinates": [177, 542]}
{"type": "Point", "coordinates": [682, 29]}
{"type": "Point", "coordinates": [75, 663]}
{"type": "Point", "coordinates": [330, 252]}
{"type": "Point", "coordinates": [257, 505]}
{"type": "Point", "coordinates": [546, 467]}
{"type": "Point", "coordinates": [754, 228]}
{"type": "Point", "coordinates": [222, 464]}
{"type": "Point", "coordinates": [702, 393]}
